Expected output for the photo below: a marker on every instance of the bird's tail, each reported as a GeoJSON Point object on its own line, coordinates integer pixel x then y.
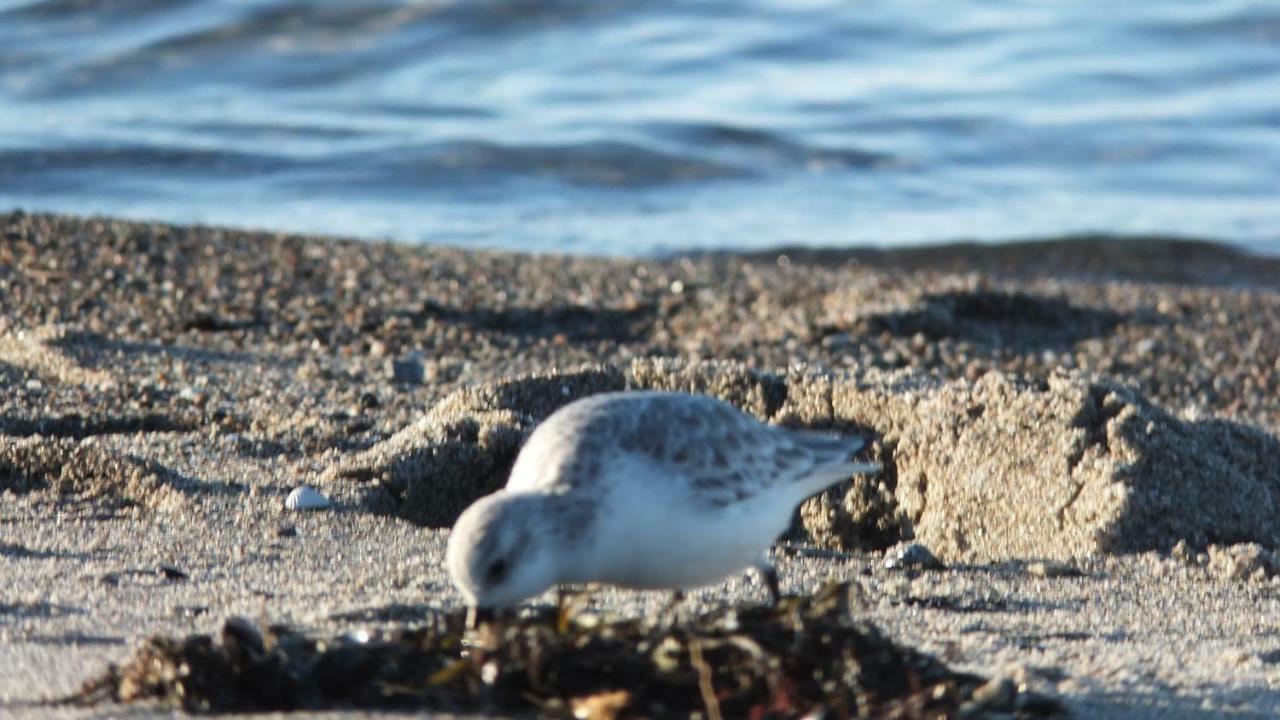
{"type": "Point", "coordinates": [833, 458]}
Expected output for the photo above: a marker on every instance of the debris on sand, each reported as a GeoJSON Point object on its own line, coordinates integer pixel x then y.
{"type": "Point", "coordinates": [806, 655]}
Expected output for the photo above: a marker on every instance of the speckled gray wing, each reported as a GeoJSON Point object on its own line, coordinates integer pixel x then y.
{"type": "Point", "coordinates": [736, 458]}
{"type": "Point", "coordinates": [723, 455]}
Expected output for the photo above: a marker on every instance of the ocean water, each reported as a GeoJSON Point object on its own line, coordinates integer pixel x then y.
{"type": "Point", "coordinates": [632, 128]}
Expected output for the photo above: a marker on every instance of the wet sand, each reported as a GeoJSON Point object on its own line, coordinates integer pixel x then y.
{"type": "Point", "coordinates": [1084, 432]}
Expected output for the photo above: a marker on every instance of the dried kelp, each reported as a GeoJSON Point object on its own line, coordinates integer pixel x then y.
{"type": "Point", "coordinates": [805, 654]}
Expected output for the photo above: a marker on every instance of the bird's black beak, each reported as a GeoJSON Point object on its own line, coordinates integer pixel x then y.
{"type": "Point", "coordinates": [477, 615]}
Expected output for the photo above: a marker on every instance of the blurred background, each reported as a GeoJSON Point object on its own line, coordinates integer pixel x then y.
{"type": "Point", "coordinates": [647, 128]}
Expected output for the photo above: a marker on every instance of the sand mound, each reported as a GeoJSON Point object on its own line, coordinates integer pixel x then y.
{"type": "Point", "coordinates": [965, 308]}
{"type": "Point", "coordinates": [86, 473]}
{"type": "Point", "coordinates": [1075, 467]}
{"type": "Point", "coordinates": [39, 351]}
{"type": "Point", "coordinates": [68, 382]}
{"type": "Point", "coordinates": [463, 449]}
{"type": "Point", "coordinates": [981, 471]}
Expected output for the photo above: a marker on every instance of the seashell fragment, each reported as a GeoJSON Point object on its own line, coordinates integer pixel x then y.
{"type": "Point", "coordinates": [306, 497]}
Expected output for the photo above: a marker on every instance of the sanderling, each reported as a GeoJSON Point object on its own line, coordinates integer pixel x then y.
{"type": "Point", "coordinates": [645, 490]}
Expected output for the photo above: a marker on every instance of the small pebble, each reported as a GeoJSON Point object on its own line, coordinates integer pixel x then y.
{"type": "Point", "coordinates": [170, 572]}
{"type": "Point", "coordinates": [408, 369]}
{"type": "Point", "coordinates": [242, 634]}
{"type": "Point", "coordinates": [358, 637]}
{"type": "Point", "coordinates": [188, 611]}
{"type": "Point", "coordinates": [1043, 569]}
{"type": "Point", "coordinates": [837, 341]}
{"type": "Point", "coordinates": [911, 555]}
{"type": "Point", "coordinates": [306, 498]}
{"type": "Point", "coordinates": [1034, 704]}
{"type": "Point", "coordinates": [997, 694]}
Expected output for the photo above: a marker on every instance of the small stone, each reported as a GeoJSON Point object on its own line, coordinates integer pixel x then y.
{"type": "Point", "coordinates": [310, 370]}
{"type": "Point", "coordinates": [431, 371]}
{"type": "Point", "coordinates": [1183, 553]}
{"type": "Point", "coordinates": [358, 637]}
{"type": "Point", "coordinates": [609, 704]}
{"type": "Point", "coordinates": [188, 611]}
{"type": "Point", "coordinates": [408, 369]}
{"type": "Point", "coordinates": [1243, 561]}
{"type": "Point", "coordinates": [242, 636]}
{"type": "Point", "coordinates": [306, 498]}
{"type": "Point", "coordinates": [837, 341]}
{"type": "Point", "coordinates": [1034, 704]}
{"type": "Point", "coordinates": [997, 694]}
{"type": "Point", "coordinates": [911, 556]}
{"type": "Point", "coordinates": [1235, 657]}
{"type": "Point", "coordinates": [1043, 569]}
{"type": "Point", "coordinates": [169, 572]}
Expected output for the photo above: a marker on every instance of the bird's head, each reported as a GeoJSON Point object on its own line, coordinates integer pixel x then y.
{"type": "Point", "coordinates": [496, 555]}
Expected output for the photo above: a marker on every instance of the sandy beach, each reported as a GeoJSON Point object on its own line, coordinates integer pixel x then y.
{"type": "Point", "coordinates": [1083, 432]}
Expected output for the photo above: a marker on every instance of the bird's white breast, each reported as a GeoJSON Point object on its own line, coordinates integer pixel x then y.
{"type": "Point", "coordinates": [652, 534]}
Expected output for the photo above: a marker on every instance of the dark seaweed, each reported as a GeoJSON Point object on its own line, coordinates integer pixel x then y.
{"type": "Point", "coordinates": [758, 662]}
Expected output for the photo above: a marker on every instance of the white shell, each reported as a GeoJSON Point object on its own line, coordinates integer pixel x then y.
{"type": "Point", "coordinates": [306, 498]}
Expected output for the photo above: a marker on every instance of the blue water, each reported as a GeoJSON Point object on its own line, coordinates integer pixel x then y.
{"type": "Point", "coordinates": [649, 127]}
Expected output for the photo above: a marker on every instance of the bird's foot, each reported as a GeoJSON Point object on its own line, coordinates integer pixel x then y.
{"type": "Point", "coordinates": [770, 575]}
{"type": "Point", "coordinates": [670, 615]}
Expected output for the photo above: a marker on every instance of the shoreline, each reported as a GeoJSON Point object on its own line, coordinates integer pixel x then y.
{"type": "Point", "coordinates": [1140, 258]}
{"type": "Point", "coordinates": [1008, 256]}
{"type": "Point", "coordinates": [168, 386]}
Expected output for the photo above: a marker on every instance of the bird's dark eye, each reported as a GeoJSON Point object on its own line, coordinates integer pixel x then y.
{"type": "Point", "coordinates": [496, 570]}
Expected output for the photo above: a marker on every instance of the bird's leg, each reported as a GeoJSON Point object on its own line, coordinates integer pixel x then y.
{"type": "Point", "coordinates": [478, 615]}
{"type": "Point", "coordinates": [569, 603]}
{"type": "Point", "coordinates": [770, 575]}
{"type": "Point", "coordinates": [671, 613]}
{"type": "Point", "coordinates": [563, 613]}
